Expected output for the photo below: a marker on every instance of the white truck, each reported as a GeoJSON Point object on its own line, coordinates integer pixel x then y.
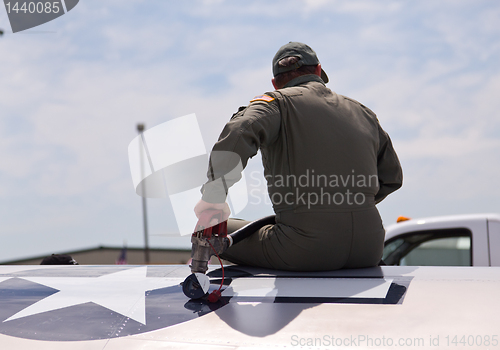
{"type": "Point", "coordinates": [458, 240]}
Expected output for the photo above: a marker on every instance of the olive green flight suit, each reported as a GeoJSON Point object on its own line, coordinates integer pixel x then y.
{"type": "Point", "coordinates": [327, 162]}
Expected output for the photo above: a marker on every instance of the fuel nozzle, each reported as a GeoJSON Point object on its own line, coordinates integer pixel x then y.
{"type": "Point", "coordinates": [213, 240]}
{"type": "Point", "coordinates": [206, 241]}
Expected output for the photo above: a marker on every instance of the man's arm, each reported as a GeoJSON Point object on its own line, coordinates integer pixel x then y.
{"type": "Point", "coordinates": [390, 174]}
{"type": "Point", "coordinates": [254, 127]}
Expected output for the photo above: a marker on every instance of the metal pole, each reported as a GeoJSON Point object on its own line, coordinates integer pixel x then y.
{"type": "Point", "coordinates": [140, 129]}
{"type": "Point", "coordinates": [146, 243]}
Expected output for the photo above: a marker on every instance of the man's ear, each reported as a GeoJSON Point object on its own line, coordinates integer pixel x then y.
{"type": "Point", "coordinates": [274, 82]}
{"type": "Point", "coordinates": [317, 70]}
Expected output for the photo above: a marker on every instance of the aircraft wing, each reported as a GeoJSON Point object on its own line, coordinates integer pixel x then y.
{"type": "Point", "coordinates": [143, 307]}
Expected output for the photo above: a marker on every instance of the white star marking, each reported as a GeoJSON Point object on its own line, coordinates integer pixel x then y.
{"type": "Point", "coordinates": [4, 279]}
{"type": "Point", "coordinates": [122, 292]}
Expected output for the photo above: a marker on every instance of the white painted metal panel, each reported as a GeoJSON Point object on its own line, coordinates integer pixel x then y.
{"type": "Point", "coordinates": [309, 287]}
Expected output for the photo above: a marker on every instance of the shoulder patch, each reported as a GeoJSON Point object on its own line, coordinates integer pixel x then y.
{"type": "Point", "coordinates": [264, 98]}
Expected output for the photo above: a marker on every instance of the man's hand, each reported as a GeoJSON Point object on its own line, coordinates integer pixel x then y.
{"type": "Point", "coordinates": [201, 206]}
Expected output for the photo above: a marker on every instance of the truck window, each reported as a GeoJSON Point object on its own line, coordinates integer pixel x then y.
{"type": "Point", "coordinates": [447, 247]}
{"type": "Point", "coordinates": [450, 251]}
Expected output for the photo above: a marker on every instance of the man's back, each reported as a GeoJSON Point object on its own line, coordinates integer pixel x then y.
{"type": "Point", "coordinates": [329, 143]}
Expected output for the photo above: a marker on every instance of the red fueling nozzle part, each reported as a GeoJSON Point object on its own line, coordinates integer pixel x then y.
{"type": "Point", "coordinates": [214, 296]}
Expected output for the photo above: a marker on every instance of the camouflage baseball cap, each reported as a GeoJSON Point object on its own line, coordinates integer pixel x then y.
{"type": "Point", "coordinates": [306, 55]}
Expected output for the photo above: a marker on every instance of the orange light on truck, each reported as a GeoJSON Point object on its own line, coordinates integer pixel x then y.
{"type": "Point", "coordinates": [402, 218]}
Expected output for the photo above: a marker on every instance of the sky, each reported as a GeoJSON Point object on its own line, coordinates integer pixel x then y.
{"type": "Point", "coordinates": [73, 90]}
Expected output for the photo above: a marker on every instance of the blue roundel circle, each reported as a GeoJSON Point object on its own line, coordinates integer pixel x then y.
{"type": "Point", "coordinates": [32, 308]}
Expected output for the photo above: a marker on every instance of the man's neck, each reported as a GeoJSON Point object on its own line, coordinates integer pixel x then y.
{"type": "Point", "coordinates": [303, 79]}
